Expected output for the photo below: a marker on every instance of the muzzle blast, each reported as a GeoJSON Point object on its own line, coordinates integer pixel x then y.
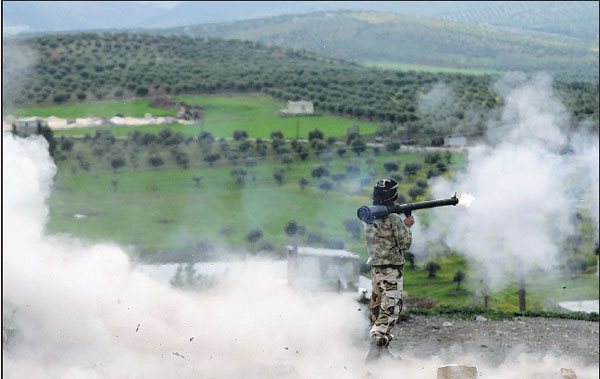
{"type": "Point", "coordinates": [369, 214]}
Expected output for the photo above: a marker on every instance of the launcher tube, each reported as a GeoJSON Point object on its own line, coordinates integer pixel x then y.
{"type": "Point", "coordinates": [369, 214]}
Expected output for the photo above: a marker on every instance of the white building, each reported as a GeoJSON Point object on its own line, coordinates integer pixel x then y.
{"type": "Point", "coordinates": [298, 108]}
{"type": "Point", "coordinates": [323, 269]}
{"type": "Point", "coordinates": [455, 141]}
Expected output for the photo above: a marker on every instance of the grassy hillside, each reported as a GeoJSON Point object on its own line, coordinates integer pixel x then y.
{"type": "Point", "coordinates": [389, 37]}
{"type": "Point", "coordinates": [79, 68]}
{"type": "Point", "coordinates": [162, 207]}
{"type": "Point", "coordinates": [576, 19]}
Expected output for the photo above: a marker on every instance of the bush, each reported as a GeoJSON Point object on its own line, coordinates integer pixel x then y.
{"type": "Point", "coordinates": [117, 162]}
{"type": "Point", "coordinates": [244, 146]}
{"type": "Point", "coordinates": [458, 278]}
{"type": "Point", "coordinates": [422, 183]}
{"type": "Point", "coordinates": [181, 159]}
{"type": "Point", "coordinates": [319, 172]}
{"type": "Point", "coordinates": [303, 182]}
{"type": "Point", "coordinates": [315, 134]}
{"type": "Point", "coordinates": [432, 268]}
{"type": "Point", "coordinates": [354, 227]}
{"type": "Point", "coordinates": [155, 161]}
{"type": "Point", "coordinates": [211, 158]}
{"type": "Point", "coordinates": [358, 146]}
{"type": "Point", "coordinates": [411, 168]}
{"type": "Point", "coordinates": [335, 243]}
{"type": "Point", "coordinates": [390, 166]}
{"type": "Point", "coordinates": [239, 175]}
{"type": "Point", "coordinates": [239, 135]}
{"type": "Point", "coordinates": [66, 145]}
{"type": "Point", "coordinates": [353, 166]}
{"type": "Point", "coordinates": [396, 176]}
{"type": "Point", "coordinates": [278, 174]}
{"type": "Point", "coordinates": [432, 158]}
{"type": "Point", "coordinates": [313, 237]}
{"type": "Point", "coordinates": [291, 228]}
{"type": "Point", "coordinates": [338, 177]}
{"type": "Point", "coordinates": [61, 97]}
{"type": "Point", "coordinates": [141, 91]}
{"type": "Point", "coordinates": [254, 235]}
{"type": "Point", "coordinates": [415, 191]}
{"type": "Point", "coordinates": [325, 184]}
{"type": "Point", "coordinates": [277, 134]}
{"type": "Point", "coordinates": [392, 146]}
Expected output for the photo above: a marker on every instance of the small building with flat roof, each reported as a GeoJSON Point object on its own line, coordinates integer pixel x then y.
{"type": "Point", "coordinates": [323, 269]}
{"type": "Point", "coordinates": [297, 108]}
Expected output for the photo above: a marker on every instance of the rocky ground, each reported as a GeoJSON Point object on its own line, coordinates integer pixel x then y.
{"type": "Point", "coordinates": [495, 340]}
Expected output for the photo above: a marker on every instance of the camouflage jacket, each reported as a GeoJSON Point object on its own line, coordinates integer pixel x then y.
{"type": "Point", "coordinates": [387, 239]}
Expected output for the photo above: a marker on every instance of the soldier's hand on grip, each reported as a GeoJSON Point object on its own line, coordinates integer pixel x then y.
{"type": "Point", "coordinates": [409, 221]}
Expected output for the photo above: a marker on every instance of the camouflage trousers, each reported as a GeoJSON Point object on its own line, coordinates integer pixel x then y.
{"type": "Point", "coordinates": [386, 302]}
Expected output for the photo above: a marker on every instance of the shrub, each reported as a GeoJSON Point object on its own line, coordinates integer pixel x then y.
{"type": "Point", "coordinates": [319, 172]}
{"type": "Point", "coordinates": [277, 134]}
{"type": "Point", "coordinates": [315, 134]}
{"type": "Point", "coordinates": [117, 162]}
{"type": "Point", "coordinates": [239, 135]}
{"type": "Point", "coordinates": [412, 168]}
{"type": "Point", "coordinates": [155, 161]}
{"type": "Point", "coordinates": [422, 183]}
{"type": "Point", "coordinates": [291, 228]}
{"type": "Point", "coordinates": [390, 166]}
{"type": "Point", "coordinates": [335, 243]}
{"type": "Point", "coordinates": [415, 191]}
{"type": "Point", "coordinates": [325, 184]}
{"type": "Point", "coordinates": [432, 268]}
{"type": "Point", "coordinates": [354, 227]}
{"type": "Point", "coordinates": [313, 237]}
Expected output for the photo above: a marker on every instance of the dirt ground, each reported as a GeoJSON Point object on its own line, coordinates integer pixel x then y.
{"type": "Point", "coordinates": [494, 340]}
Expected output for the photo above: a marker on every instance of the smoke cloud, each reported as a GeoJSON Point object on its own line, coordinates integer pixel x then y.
{"type": "Point", "coordinates": [529, 181]}
{"type": "Point", "coordinates": [73, 310]}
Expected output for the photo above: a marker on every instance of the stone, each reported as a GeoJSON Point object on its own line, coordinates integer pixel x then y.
{"type": "Point", "coordinates": [457, 372]}
{"type": "Point", "coordinates": [568, 373]}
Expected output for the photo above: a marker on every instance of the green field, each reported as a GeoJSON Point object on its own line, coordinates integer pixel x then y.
{"type": "Point", "coordinates": [388, 65]}
{"type": "Point", "coordinates": [257, 114]}
{"type": "Point", "coordinates": [157, 207]}
{"type": "Point", "coordinates": [543, 291]}
{"type": "Point", "coordinates": [131, 108]}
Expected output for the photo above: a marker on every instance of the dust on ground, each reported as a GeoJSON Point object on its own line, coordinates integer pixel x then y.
{"type": "Point", "coordinates": [496, 340]}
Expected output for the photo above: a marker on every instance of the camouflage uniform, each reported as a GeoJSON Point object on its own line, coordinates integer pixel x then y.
{"type": "Point", "coordinates": [387, 239]}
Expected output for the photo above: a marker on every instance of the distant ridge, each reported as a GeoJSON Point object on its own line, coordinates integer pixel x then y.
{"type": "Point", "coordinates": [387, 37]}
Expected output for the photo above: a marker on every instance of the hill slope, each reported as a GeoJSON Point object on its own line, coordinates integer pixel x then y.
{"type": "Point", "coordinates": [81, 67]}
{"type": "Point", "coordinates": [373, 36]}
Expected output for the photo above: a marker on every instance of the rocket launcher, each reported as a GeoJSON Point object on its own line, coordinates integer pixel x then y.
{"type": "Point", "coordinates": [369, 214]}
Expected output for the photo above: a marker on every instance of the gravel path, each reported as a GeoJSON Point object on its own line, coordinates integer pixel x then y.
{"type": "Point", "coordinates": [492, 340]}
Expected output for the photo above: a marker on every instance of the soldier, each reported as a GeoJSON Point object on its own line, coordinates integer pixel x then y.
{"type": "Point", "coordinates": [387, 239]}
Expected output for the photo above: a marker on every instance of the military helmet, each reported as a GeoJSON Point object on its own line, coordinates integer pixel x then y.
{"type": "Point", "coordinates": [385, 192]}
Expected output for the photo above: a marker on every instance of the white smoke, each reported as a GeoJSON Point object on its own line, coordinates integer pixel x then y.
{"type": "Point", "coordinates": [435, 99]}
{"type": "Point", "coordinates": [86, 311]}
{"type": "Point", "coordinates": [18, 62]}
{"type": "Point", "coordinates": [79, 311]}
{"type": "Point", "coordinates": [526, 189]}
